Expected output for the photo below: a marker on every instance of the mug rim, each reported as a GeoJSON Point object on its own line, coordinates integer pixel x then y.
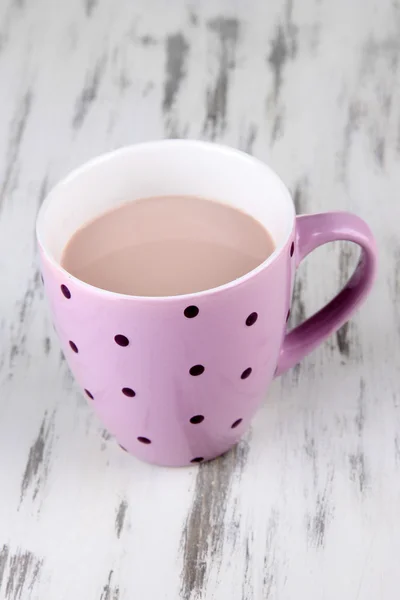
{"type": "Point", "coordinates": [106, 156]}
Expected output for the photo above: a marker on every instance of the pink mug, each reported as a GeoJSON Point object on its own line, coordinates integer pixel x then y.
{"type": "Point", "coordinates": [178, 379]}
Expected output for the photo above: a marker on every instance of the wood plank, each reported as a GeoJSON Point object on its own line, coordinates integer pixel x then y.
{"type": "Point", "coordinates": [309, 499]}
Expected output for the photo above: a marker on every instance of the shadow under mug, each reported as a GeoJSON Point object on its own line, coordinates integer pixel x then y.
{"type": "Point", "coordinates": [178, 379]}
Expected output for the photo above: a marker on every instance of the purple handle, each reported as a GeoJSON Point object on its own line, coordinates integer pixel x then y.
{"type": "Point", "coordinates": [313, 231]}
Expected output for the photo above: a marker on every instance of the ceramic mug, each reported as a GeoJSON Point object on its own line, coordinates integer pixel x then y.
{"type": "Point", "coordinates": [178, 379]}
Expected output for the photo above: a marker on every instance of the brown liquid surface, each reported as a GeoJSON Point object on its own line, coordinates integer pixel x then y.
{"type": "Point", "coordinates": [166, 246]}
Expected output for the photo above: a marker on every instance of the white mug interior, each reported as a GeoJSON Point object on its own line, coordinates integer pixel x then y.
{"type": "Point", "coordinates": [165, 168]}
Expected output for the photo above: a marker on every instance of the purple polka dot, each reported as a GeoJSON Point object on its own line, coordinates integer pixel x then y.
{"type": "Point", "coordinates": [144, 440]}
{"type": "Point", "coordinates": [197, 419]}
{"type": "Point", "coordinates": [292, 249]}
{"type": "Point", "coordinates": [66, 291]}
{"type": "Point", "coordinates": [236, 423]}
{"type": "Point", "coordinates": [74, 347]}
{"type": "Point", "coordinates": [196, 370]}
{"type": "Point", "coordinates": [89, 394]}
{"type": "Point", "coordinates": [246, 373]}
{"type": "Point", "coordinates": [128, 392]}
{"type": "Point", "coordinates": [191, 311]}
{"type": "Point", "coordinates": [251, 319]}
{"type": "Point", "coordinates": [198, 459]}
{"type": "Point", "coordinates": [121, 340]}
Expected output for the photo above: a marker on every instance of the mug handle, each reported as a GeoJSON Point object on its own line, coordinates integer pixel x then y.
{"type": "Point", "coordinates": [313, 231]}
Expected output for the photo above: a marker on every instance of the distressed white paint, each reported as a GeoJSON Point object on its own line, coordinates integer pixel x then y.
{"type": "Point", "coordinates": [308, 506]}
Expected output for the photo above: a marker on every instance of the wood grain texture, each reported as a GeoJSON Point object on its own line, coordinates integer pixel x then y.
{"type": "Point", "coordinates": [307, 505]}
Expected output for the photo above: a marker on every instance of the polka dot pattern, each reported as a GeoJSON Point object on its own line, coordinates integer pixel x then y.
{"type": "Point", "coordinates": [246, 373]}
{"type": "Point", "coordinates": [65, 291]}
{"type": "Point", "coordinates": [251, 319]}
{"type": "Point", "coordinates": [128, 392]}
{"type": "Point", "coordinates": [196, 370]}
{"type": "Point", "coordinates": [121, 340]}
{"type": "Point", "coordinates": [202, 420]}
{"type": "Point", "coordinates": [197, 419]}
{"type": "Point", "coordinates": [292, 249]}
{"type": "Point", "coordinates": [73, 347]}
{"type": "Point", "coordinates": [191, 311]}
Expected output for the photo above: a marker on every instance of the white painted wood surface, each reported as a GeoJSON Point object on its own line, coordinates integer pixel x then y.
{"type": "Point", "coordinates": [308, 506]}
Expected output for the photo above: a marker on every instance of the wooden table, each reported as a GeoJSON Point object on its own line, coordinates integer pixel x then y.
{"type": "Point", "coordinates": [308, 505]}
